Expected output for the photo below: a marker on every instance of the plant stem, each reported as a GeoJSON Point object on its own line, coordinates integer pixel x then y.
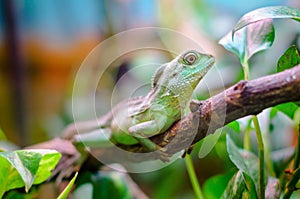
{"type": "Point", "coordinates": [261, 155]}
{"type": "Point", "coordinates": [267, 152]}
{"type": "Point", "coordinates": [261, 171]}
{"type": "Point", "coordinates": [246, 70]}
{"type": "Point", "coordinates": [247, 141]}
{"type": "Point", "coordinates": [290, 187]}
{"type": "Point", "coordinates": [193, 177]}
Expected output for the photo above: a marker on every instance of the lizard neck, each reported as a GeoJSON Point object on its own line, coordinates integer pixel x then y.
{"type": "Point", "coordinates": [174, 98]}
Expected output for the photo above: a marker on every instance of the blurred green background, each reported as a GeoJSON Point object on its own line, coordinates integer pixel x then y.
{"type": "Point", "coordinates": [43, 43]}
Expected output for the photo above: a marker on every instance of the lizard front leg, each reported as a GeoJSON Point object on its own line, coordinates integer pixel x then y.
{"type": "Point", "coordinates": [143, 131]}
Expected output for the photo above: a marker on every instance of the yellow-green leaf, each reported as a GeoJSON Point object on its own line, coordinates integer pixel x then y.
{"type": "Point", "coordinates": [64, 194]}
{"type": "Point", "coordinates": [289, 59]}
{"type": "Point", "coordinates": [23, 168]}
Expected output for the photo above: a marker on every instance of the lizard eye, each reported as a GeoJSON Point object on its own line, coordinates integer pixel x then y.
{"type": "Point", "coordinates": [190, 58]}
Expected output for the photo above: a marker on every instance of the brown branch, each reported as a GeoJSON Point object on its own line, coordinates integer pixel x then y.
{"type": "Point", "coordinates": [244, 98]}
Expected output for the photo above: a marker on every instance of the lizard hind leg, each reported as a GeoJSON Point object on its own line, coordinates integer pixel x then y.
{"type": "Point", "coordinates": [158, 151]}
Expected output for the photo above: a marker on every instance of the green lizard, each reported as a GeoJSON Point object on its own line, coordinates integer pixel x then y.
{"type": "Point", "coordinates": [135, 120]}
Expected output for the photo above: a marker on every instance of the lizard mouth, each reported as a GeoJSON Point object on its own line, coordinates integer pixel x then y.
{"type": "Point", "coordinates": [205, 66]}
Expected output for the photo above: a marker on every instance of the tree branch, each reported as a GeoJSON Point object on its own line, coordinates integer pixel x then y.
{"type": "Point", "coordinates": [242, 99]}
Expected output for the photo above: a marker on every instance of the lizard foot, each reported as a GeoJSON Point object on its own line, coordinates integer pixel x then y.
{"type": "Point", "coordinates": [194, 105]}
{"type": "Point", "coordinates": [187, 151]}
{"type": "Point", "coordinates": [162, 155]}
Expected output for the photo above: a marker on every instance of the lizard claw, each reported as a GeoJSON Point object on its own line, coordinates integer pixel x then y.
{"type": "Point", "coordinates": [194, 105]}
{"type": "Point", "coordinates": [187, 151]}
{"type": "Point", "coordinates": [162, 155]}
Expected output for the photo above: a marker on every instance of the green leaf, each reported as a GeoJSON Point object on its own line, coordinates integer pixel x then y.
{"type": "Point", "coordinates": [250, 40]}
{"type": "Point", "coordinates": [16, 194]}
{"type": "Point", "coordinates": [298, 183]}
{"type": "Point", "coordinates": [250, 184]}
{"type": "Point", "coordinates": [47, 164]}
{"type": "Point", "coordinates": [236, 187]}
{"type": "Point", "coordinates": [26, 167]}
{"type": "Point", "coordinates": [273, 113]}
{"type": "Point", "coordinates": [67, 190]}
{"type": "Point", "coordinates": [288, 108]}
{"type": "Point", "coordinates": [214, 187]}
{"type": "Point", "coordinates": [243, 160]}
{"type": "Point", "coordinates": [289, 59]}
{"type": "Point", "coordinates": [271, 12]}
{"type": "Point", "coordinates": [235, 125]}
{"type": "Point", "coordinates": [297, 115]}
{"type": "Point", "coordinates": [110, 184]}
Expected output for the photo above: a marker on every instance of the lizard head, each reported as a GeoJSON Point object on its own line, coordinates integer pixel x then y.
{"type": "Point", "coordinates": [192, 66]}
{"type": "Point", "coordinates": [183, 74]}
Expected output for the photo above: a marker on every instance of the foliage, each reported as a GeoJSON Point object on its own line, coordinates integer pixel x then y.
{"type": "Point", "coordinates": [104, 184]}
{"type": "Point", "coordinates": [245, 161]}
{"type": "Point", "coordinates": [250, 40]}
{"type": "Point", "coordinates": [24, 168]}
{"type": "Point", "coordinates": [272, 12]}
{"type": "Point", "coordinates": [253, 33]}
{"type": "Point", "coordinates": [67, 190]}
{"type": "Point", "coordinates": [289, 59]}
